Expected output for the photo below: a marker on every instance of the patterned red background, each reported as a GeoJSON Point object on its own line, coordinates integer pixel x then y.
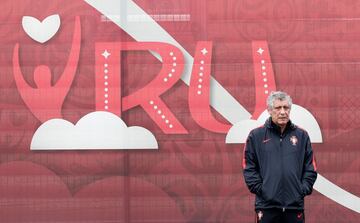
{"type": "Point", "coordinates": [315, 52]}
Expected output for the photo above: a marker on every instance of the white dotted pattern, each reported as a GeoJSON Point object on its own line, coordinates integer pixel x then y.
{"type": "Point", "coordinates": [106, 83]}
{"type": "Point", "coordinates": [201, 74]}
{"type": "Point", "coordinates": [263, 67]}
{"type": "Point", "coordinates": [159, 112]}
{"type": "Point", "coordinates": [173, 69]}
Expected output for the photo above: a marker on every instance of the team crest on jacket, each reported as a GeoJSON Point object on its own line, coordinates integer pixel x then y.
{"type": "Point", "coordinates": [260, 215]}
{"type": "Point", "coordinates": [293, 140]}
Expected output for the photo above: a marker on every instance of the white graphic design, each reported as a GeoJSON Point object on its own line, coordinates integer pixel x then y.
{"type": "Point", "coordinates": [220, 99]}
{"type": "Point", "coordinates": [337, 194]}
{"type": "Point", "coordinates": [106, 54]}
{"type": "Point", "coordinates": [96, 130]}
{"type": "Point", "coordinates": [41, 31]}
{"type": "Point", "coordinates": [298, 115]}
{"type": "Point", "coordinates": [260, 51]}
{"type": "Point", "coordinates": [240, 131]}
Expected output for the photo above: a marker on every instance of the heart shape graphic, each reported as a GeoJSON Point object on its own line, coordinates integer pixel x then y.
{"type": "Point", "coordinates": [41, 31]}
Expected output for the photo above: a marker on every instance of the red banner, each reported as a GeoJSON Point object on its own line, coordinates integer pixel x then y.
{"type": "Point", "coordinates": [138, 110]}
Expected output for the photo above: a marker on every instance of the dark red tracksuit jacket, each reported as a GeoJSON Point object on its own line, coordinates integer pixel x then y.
{"type": "Point", "coordinates": [279, 168]}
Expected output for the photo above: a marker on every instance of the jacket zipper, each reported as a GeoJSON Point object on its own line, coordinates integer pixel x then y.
{"type": "Point", "coordinates": [282, 168]}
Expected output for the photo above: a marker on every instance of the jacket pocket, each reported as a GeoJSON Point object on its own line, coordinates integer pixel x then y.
{"type": "Point", "coordinates": [295, 195]}
{"type": "Point", "coordinates": [270, 197]}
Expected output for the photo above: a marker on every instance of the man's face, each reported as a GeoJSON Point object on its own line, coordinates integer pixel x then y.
{"type": "Point", "coordinates": [280, 112]}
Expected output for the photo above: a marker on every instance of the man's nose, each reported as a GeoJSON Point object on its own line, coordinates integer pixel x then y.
{"type": "Point", "coordinates": [282, 110]}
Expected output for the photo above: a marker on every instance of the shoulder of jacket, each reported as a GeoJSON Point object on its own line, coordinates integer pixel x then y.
{"type": "Point", "coordinates": [301, 131]}
{"type": "Point", "coordinates": [258, 130]}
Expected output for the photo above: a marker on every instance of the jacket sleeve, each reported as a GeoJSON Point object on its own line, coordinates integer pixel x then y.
{"type": "Point", "coordinates": [251, 173]}
{"type": "Point", "coordinates": [309, 169]}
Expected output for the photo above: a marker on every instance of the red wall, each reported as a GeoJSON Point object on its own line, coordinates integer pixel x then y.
{"type": "Point", "coordinates": [194, 177]}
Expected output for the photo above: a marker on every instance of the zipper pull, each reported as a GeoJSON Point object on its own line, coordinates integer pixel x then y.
{"type": "Point", "coordinates": [283, 209]}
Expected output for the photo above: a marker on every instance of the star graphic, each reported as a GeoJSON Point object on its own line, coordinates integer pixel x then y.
{"type": "Point", "coordinates": [106, 54]}
{"type": "Point", "coordinates": [260, 50]}
{"type": "Point", "coordinates": [204, 51]}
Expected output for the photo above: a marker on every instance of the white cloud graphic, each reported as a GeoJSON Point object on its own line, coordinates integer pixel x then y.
{"type": "Point", "coordinates": [97, 130]}
{"type": "Point", "coordinates": [298, 115]}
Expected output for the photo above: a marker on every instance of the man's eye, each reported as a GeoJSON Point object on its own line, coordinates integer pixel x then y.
{"type": "Point", "coordinates": [282, 107]}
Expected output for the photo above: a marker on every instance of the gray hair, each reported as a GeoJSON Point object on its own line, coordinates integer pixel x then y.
{"type": "Point", "coordinates": [278, 95]}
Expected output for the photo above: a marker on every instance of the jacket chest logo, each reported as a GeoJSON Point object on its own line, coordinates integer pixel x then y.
{"type": "Point", "coordinates": [293, 140]}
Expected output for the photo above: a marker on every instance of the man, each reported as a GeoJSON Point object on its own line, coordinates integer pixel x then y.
{"type": "Point", "coordinates": [279, 166]}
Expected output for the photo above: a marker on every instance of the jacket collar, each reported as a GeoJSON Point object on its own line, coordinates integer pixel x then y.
{"type": "Point", "coordinates": [271, 125]}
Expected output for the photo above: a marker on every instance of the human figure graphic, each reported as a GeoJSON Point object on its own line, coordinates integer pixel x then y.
{"type": "Point", "coordinates": [45, 101]}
